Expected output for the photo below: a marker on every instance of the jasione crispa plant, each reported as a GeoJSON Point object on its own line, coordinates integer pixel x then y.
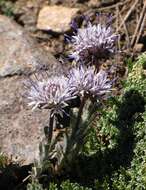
{"type": "Point", "coordinates": [72, 100]}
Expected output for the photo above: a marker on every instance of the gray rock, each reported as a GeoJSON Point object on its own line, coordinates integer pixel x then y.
{"type": "Point", "coordinates": [56, 18]}
{"type": "Point", "coordinates": [108, 2]}
{"type": "Point", "coordinates": [56, 2]}
{"type": "Point", "coordinates": [138, 47]}
{"type": "Point", "coordinates": [20, 54]}
{"type": "Point", "coordinates": [70, 2]}
{"type": "Point", "coordinates": [27, 11]}
{"type": "Point", "coordinates": [94, 3]}
{"type": "Point", "coordinates": [21, 129]}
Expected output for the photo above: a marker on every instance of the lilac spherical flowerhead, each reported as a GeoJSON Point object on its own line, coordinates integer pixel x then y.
{"type": "Point", "coordinates": [85, 80]}
{"type": "Point", "coordinates": [93, 42]}
{"type": "Point", "coordinates": [52, 94]}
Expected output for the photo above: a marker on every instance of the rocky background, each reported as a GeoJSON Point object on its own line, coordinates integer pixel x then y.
{"type": "Point", "coordinates": [32, 39]}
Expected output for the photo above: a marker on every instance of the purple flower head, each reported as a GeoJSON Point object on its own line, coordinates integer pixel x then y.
{"type": "Point", "coordinates": [93, 42]}
{"type": "Point", "coordinates": [85, 80]}
{"type": "Point", "coordinates": [52, 94]}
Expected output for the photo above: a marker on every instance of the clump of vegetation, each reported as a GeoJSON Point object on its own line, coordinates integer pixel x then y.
{"type": "Point", "coordinates": [6, 7]}
{"type": "Point", "coordinates": [118, 138]}
{"type": "Point", "coordinates": [3, 161]}
{"type": "Point", "coordinates": [114, 155]}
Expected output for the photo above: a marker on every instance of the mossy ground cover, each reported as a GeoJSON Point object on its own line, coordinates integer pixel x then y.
{"type": "Point", "coordinates": [6, 7]}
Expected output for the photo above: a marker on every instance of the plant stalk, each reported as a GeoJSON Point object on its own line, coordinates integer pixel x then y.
{"type": "Point", "coordinates": [80, 113]}
{"type": "Point", "coordinates": [50, 132]}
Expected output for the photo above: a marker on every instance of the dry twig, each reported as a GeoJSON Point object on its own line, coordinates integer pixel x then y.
{"type": "Point", "coordinates": [128, 14]}
{"type": "Point", "coordinates": [139, 26]}
{"type": "Point", "coordinates": [125, 28]}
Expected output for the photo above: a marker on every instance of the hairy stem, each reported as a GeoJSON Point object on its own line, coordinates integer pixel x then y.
{"type": "Point", "coordinates": [80, 112]}
{"type": "Point", "coordinates": [77, 123]}
{"type": "Point", "coordinates": [50, 132]}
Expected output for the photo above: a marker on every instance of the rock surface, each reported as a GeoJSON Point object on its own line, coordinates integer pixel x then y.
{"type": "Point", "coordinates": [19, 54]}
{"type": "Point", "coordinates": [138, 47]}
{"type": "Point", "coordinates": [94, 3]}
{"type": "Point", "coordinates": [21, 129]}
{"type": "Point", "coordinates": [27, 11]}
{"type": "Point", "coordinates": [56, 18]}
{"type": "Point", "coordinates": [70, 2]}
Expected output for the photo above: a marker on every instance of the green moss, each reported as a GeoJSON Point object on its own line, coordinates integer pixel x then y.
{"type": "Point", "coordinates": [72, 186]}
{"type": "Point", "coordinates": [120, 136]}
{"type": "Point", "coordinates": [35, 186]}
{"type": "Point", "coordinates": [3, 160]}
{"type": "Point", "coordinates": [6, 7]}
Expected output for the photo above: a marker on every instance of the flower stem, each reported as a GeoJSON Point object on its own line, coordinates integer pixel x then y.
{"type": "Point", "coordinates": [80, 112]}
{"type": "Point", "coordinates": [50, 132]}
